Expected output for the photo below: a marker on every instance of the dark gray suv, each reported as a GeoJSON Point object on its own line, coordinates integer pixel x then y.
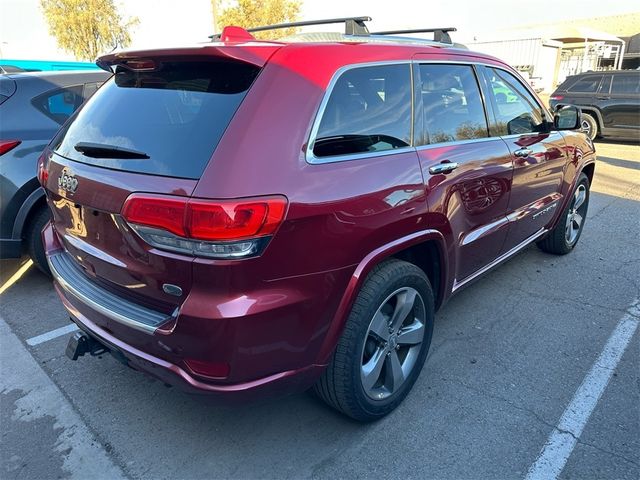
{"type": "Point", "coordinates": [610, 102]}
{"type": "Point", "coordinates": [33, 106]}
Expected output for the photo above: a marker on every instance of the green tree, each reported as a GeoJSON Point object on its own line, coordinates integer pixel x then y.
{"type": "Point", "coordinates": [254, 13]}
{"type": "Point", "coordinates": [87, 28]}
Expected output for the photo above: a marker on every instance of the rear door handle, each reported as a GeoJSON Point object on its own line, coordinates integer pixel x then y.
{"type": "Point", "coordinates": [443, 168]}
{"type": "Point", "coordinates": [523, 152]}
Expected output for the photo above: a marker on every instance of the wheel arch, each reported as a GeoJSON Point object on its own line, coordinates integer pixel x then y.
{"type": "Point", "coordinates": [595, 113]}
{"type": "Point", "coordinates": [422, 248]}
{"type": "Point", "coordinates": [32, 203]}
{"type": "Point", "coordinates": [589, 170]}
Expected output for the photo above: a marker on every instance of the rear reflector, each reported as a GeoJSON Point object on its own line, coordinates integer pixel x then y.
{"type": "Point", "coordinates": [208, 369]}
{"type": "Point", "coordinates": [7, 145]}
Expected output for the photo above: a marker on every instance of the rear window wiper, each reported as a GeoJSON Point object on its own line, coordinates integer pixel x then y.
{"type": "Point", "coordinates": [100, 150]}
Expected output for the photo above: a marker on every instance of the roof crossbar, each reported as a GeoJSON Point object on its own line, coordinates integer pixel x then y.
{"type": "Point", "coordinates": [352, 25]}
{"type": "Point", "coordinates": [439, 34]}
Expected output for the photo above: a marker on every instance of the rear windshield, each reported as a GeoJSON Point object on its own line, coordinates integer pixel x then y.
{"type": "Point", "coordinates": [166, 122]}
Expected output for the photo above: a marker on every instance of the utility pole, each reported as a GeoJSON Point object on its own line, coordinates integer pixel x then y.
{"type": "Point", "coordinates": [214, 10]}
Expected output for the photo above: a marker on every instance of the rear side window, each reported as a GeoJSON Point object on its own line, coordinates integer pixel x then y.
{"type": "Point", "coordinates": [586, 85]}
{"type": "Point", "coordinates": [59, 104]}
{"type": "Point", "coordinates": [626, 84]}
{"type": "Point", "coordinates": [369, 110]}
{"type": "Point", "coordinates": [452, 105]}
{"type": "Point", "coordinates": [167, 122]}
{"type": "Point", "coordinates": [605, 86]}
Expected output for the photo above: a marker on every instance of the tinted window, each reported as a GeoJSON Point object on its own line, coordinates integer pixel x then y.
{"type": "Point", "coordinates": [516, 110]}
{"type": "Point", "coordinates": [626, 84]}
{"type": "Point", "coordinates": [90, 89]}
{"type": "Point", "coordinates": [59, 104]}
{"type": "Point", "coordinates": [452, 105]}
{"type": "Point", "coordinates": [586, 84]}
{"type": "Point", "coordinates": [369, 110]}
{"type": "Point", "coordinates": [175, 116]}
{"type": "Point", "coordinates": [605, 86]}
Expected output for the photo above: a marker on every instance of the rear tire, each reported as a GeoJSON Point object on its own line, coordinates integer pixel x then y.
{"type": "Point", "coordinates": [589, 126]}
{"type": "Point", "coordinates": [566, 233]}
{"type": "Point", "coordinates": [33, 239]}
{"type": "Point", "coordinates": [384, 344]}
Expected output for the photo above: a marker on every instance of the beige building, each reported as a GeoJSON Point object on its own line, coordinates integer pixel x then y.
{"type": "Point", "coordinates": [548, 53]}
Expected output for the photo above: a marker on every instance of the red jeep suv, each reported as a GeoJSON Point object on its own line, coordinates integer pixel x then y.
{"type": "Point", "coordinates": [246, 216]}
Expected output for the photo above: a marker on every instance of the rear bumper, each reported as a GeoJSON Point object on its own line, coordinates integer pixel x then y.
{"type": "Point", "coordinates": [280, 383]}
{"type": "Point", "coordinates": [270, 350]}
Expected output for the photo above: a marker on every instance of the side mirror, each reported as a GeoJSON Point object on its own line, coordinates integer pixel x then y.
{"type": "Point", "coordinates": [567, 117]}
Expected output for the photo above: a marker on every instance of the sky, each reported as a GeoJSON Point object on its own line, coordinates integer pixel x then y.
{"type": "Point", "coordinates": [24, 33]}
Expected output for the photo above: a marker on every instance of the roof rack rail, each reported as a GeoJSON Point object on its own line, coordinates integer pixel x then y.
{"type": "Point", "coordinates": [352, 26]}
{"type": "Point", "coordinates": [440, 35]}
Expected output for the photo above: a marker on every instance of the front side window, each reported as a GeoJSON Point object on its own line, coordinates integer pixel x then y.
{"type": "Point", "coordinates": [369, 110]}
{"type": "Point", "coordinates": [452, 105]}
{"type": "Point", "coordinates": [624, 84]}
{"type": "Point", "coordinates": [586, 85]}
{"type": "Point", "coordinates": [516, 110]}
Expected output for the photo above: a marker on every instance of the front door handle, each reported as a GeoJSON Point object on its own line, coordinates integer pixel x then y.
{"type": "Point", "coordinates": [523, 152]}
{"type": "Point", "coordinates": [443, 168]}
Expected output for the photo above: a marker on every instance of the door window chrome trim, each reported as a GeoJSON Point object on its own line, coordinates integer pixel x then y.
{"type": "Point", "coordinates": [311, 158]}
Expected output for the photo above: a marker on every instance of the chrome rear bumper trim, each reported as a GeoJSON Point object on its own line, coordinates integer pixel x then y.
{"type": "Point", "coordinates": [72, 281]}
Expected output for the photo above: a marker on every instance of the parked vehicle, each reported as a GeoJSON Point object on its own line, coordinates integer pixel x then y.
{"type": "Point", "coordinates": [247, 217]}
{"type": "Point", "coordinates": [33, 107]}
{"type": "Point", "coordinates": [16, 65]}
{"type": "Point", "coordinates": [610, 102]}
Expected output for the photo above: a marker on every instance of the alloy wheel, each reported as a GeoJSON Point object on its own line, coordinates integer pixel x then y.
{"type": "Point", "coordinates": [392, 344]}
{"type": "Point", "coordinates": [576, 214]}
{"type": "Point", "coordinates": [586, 128]}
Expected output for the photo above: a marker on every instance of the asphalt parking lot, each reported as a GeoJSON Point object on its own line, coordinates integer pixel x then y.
{"type": "Point", "coordinates": [518, 359]}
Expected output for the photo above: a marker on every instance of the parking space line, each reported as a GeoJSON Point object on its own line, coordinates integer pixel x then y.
{"type": "Point", "coordinates": [16, 276]}
{"type": "Point", "coordinates": [58, 332]}
{"type": "Point", "coordinates": [563, 439]}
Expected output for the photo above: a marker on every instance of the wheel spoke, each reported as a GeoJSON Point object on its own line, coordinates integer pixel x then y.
{"type": "Point", "coordinates": [404, 305]}
{"type": "Point", "coordinates": [411, 335]}
{"type": "Point", "coordinates": [371, 370]}
{"type": "Point", "coordinates": [577, 221]}
{"type": "Point", "coordinates": [379, 326]}
{"type": "Point", "coordinates": [395, 375]}
{"type": "Point", "coordinates": [580, 197]}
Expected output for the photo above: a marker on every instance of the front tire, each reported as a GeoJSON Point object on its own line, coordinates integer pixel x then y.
{"type": "Point", "coordinates": [384, 345]}
{"type": "Point", "coordinates": [566, 233]}
{"type": "Point", "coordinates": [589, 126]}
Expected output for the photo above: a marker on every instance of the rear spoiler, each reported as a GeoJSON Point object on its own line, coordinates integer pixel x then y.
{"type": "Point", "coordinates": [255, 54]}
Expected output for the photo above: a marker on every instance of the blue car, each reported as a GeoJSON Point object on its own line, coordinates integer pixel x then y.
{"type": "Point", "coordinates": [33, 106]}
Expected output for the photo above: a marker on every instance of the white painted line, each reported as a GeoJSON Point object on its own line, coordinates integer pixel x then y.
{"type": "Point", "coordinates": [58, 332]}
{"type": "Point", "coordinates": [563, 439]}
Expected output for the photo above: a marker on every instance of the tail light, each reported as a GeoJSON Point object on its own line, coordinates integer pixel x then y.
{"type": "Point", "coordinates": [211, 228]}
{"type": "Point", "coordinates": [43, 173]}
{"type": "Point", "coordinates": [557, 98]}
{"type": "Point", "coordinates": [7, 145]}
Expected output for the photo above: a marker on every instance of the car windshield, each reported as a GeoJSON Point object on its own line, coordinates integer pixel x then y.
{"type": "Point", "coordinates": [173, 117]}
